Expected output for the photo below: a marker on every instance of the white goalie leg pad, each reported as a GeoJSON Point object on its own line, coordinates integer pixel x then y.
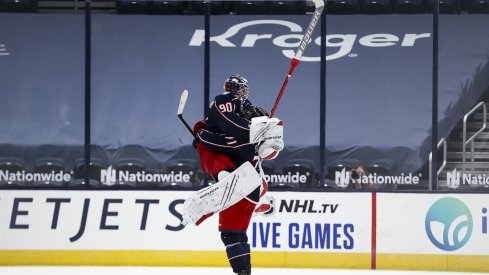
{"type": "Point", "coordinates": [263, 127]}
{"type": "Point", "coordinates": [221, 195]}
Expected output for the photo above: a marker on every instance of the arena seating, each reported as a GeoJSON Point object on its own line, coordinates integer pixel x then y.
{"type": "Point", "coordinates": [18, 5]}
{"type": "Point", "coordinates": [48, 165]}
{"type": "Point", "coordinates": [11, 165]}
{"type": "Point", "coordinates": [408, 6]}
{"type": "Point", "coordinates": [342, 6]}
{"type": "Point", "coordinates": [479, 6]}
{"type": "Point", "coordinates": [376, 7]}
{"type": "Point", "coordinates": [445, 6]}
{"type": "Point", "coordinates": [250, 7]}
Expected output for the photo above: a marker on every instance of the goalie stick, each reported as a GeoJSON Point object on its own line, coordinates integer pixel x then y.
{"type": "Point", "coordinates": [181, 106]}
{"type": "Point", "coordinates": [319, 6]}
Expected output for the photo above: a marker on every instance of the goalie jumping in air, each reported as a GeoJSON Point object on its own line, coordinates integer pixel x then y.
{"type": "Point", "coordinates": [234, 136]}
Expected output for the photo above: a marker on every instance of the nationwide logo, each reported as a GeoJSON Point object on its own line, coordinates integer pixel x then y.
{"type": "Point", "coordinates": [23, 176]}
{"type": "Point", "coordinates": [110, 176]}
{"type": "Point", "coordinates": [289, 177]}
{"type": "Point", "coordinates": [449, 224]}
{"type": "Point", "coordinates": [3, 50]}
{"type": "Point", "coordinates": [455, 179]}
{"type": "Point", "coordinates": [343, 178]}
{"type": "Point", "coordinates": [339, 45]}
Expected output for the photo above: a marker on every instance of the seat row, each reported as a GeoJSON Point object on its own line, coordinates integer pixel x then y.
{"type": "Point", "coordinates": [128, 166]}
{"type": "Point", "coordinates": [249, 7]}
{"type": "Point", "coordinates": [135, 166]}
{"type": "Point", "coordinates": [406, 6]}
{"type": "Point", "coordinates": [302, 7]}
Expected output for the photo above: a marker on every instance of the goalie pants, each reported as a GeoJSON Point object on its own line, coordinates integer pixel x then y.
{"type": "Point", "coordinates": [237, 217]}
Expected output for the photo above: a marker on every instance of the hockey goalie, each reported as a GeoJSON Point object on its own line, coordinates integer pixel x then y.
{"type": "Point", "coordinates": [232, 142]}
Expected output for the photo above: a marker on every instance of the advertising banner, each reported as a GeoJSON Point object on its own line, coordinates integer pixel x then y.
{"type": "Point", "coordinates": [432, 232]}
{"type": "Point", "coordinates": [307, 229]}
{"type": "Point", "coordinates": [150, 220]}
{"type": "Point", "coordinates": [315, 222]}
{"type": "Point", "coordinates": [433, 224]}
{"type": "Point", "coordinates": [143, 227]}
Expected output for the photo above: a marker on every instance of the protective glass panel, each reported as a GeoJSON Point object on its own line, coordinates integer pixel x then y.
{"type": "Point", "coordinates": [258, 39]}
{"type": "Point", "coordinates": [463, 93]}
{"type": "Point", "coordinates": [378, 103]}
{"type": "Point", "coordinates": [142, 60]}
{"type": "Point", "coordinates": [42, 91]}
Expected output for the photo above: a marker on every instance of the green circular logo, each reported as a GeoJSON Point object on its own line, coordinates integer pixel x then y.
{"type": "Point", "coordinates": [449, 224]}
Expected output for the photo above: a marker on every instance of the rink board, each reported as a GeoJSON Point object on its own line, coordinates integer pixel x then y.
{"type": "Point", "coordinates": [432, 231]}
{"type": "Point", "coordinates": [308, 229]}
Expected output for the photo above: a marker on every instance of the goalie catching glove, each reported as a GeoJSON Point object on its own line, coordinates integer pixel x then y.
{"type": "Point", "coordinates": [249, 111]}
{"type": "Point", "coordinates": [268, 133]}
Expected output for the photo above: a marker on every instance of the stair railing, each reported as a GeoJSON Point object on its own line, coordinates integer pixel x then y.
{"type": "Point", "coordinates": [440, 143]}
{"type": "Point", "coordinates": [472, 138]}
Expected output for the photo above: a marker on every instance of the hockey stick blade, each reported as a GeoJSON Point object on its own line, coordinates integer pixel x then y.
{"type": "Point", "coordinates": [183, 100]}
{"type": "Point", "coordinates": [181, 106]}
{"type": "Point", "coordinates": [319, 6]}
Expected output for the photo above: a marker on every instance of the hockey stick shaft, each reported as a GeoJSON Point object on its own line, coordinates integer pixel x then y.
{"type": "Point", "coordinates": [319, 4]}
{"type": "Point", "coordinates": [181, 106]}
{"type": "Point", "coordinates": [187, 126]}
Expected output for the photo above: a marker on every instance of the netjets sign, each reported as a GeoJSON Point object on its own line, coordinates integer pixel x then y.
{"type": "Point", "coordinates": [455, 179]}
{"type": "Point", "coordinates": [343, 43]}
{"type": "Point", "coordinates": [343, 178]}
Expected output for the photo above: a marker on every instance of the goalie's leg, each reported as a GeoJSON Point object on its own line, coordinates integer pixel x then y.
{"type": "Point", "coordinates": [233, 223]}
{"type": "Point", "coordinates": [238, 251]}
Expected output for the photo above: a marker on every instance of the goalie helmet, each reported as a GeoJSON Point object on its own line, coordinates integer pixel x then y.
{"type": "Point", "coordinates": [235, 83]}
